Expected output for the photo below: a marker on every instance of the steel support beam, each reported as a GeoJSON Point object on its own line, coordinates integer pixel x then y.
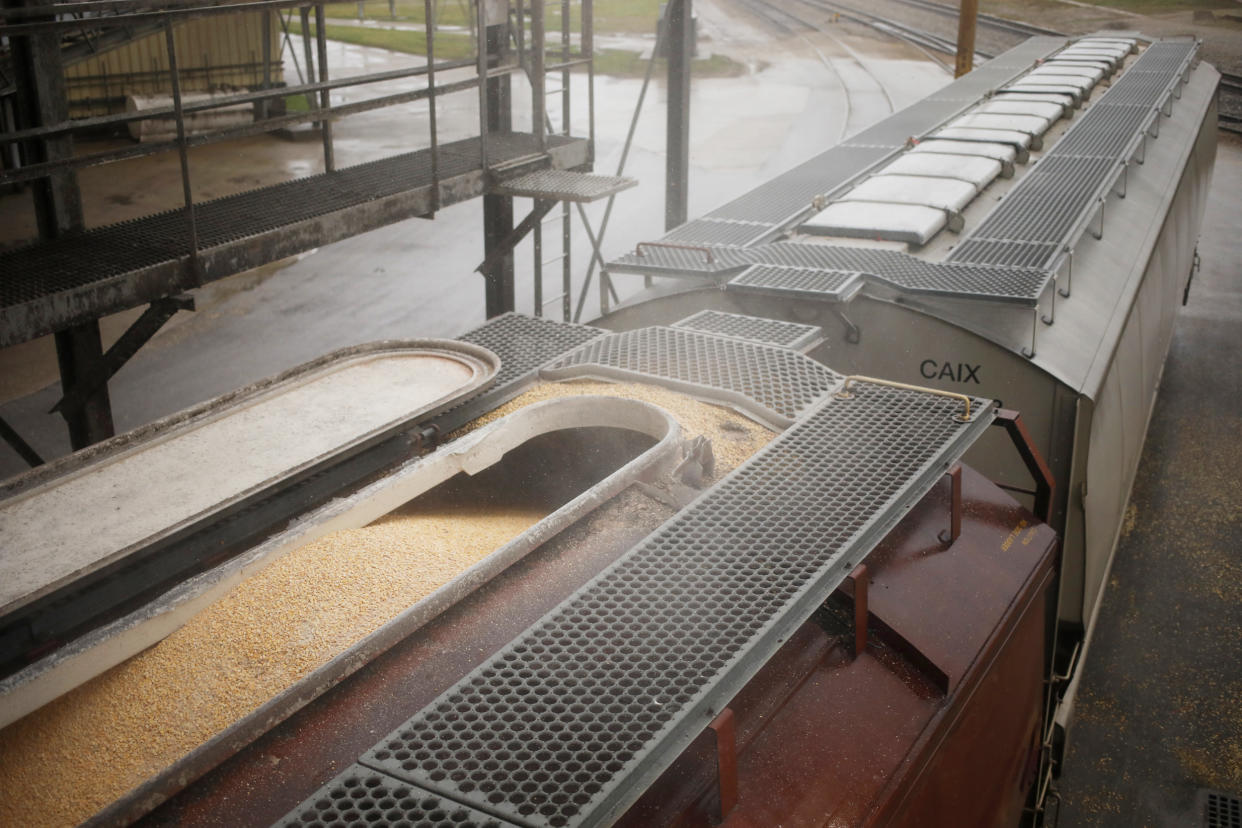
{"type": "Point", "coordinates": [498, 210]}
{"type": "Point", "coordinates": [679, 25]}
{"type": "Point", "coordinates": [41, 101]}
{"type": "Point", "coordinates": [97, 374]}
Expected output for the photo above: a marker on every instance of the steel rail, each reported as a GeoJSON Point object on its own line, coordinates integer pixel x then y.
{"type": "Point", "coordinates": [1000, 23]}
{"type": "Point", "coordinates": [99, 121]}
{"type": "Point", "coordinates": [41, 170]}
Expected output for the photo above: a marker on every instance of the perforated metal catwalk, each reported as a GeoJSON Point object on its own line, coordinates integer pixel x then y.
{"type": "Point", "coordinates": [769, 331]}
{"type": "Point", "coordinates": [1037, 222]}
{"type": "Point", "coordinates": [773, 384]}
{"type": "Point", "coordinates": [48, 285]}
{"type": "Point", "coordinates": [1011, 256]}
{"type": "Point", "coordinates": [1016, 284]}
{"type": "Point", "coordinates": [569, 723]}
{"type": "Point", "coordinates": [524, 344]}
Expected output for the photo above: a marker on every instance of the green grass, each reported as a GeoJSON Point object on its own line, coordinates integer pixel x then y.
{"type": "Point", "coordinates": [449, 45]}
{"type": "Point", "coordinates": [620, 63]}
{"type": "Point", "coordinates": [615, 62]}
{"type": "Point", "coordinates": [628, 16]}
{"type": "Point", "coordinates": [296, 103]}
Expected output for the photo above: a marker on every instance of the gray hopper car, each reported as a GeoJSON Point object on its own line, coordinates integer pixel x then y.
{"type": "Point", "coordinates": [1026, 233]}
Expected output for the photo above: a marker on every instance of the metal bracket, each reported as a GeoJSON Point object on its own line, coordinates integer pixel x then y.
{"type": "Point", "coordinates": [954, 531]}
{"type": "Point", "coordinates": [515, 236]}
{"type": "Point", "coordinates": [1045, 483]}
{"type": "Point", "coordinates": [853, 334]}
{"type": "Point", "coordinates": [726, 762]}
{"type": "Point", "coordinates": [96, 375]}
{"type": "Point", "coordinates": [19, 445]}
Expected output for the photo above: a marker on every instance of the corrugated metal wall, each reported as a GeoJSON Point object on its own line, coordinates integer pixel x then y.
{"type": "Point", "coordinates": [222, 51]}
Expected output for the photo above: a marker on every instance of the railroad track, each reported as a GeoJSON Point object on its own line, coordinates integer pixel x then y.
{"type": "Point", "coordinates": [933, 44]}
{"type": "Point", "coordinates": [989, 20]}
{"type": "Point", "coordinates": [783, 19]}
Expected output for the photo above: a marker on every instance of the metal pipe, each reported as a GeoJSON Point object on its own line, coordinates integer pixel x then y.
{"type": "Point", "coordinates": [44, 169]}
{"type": "Point", "coordinates": [325, 97]}
{"type": "Point", "coordinates": [679, 24]}
{"type": "Point", "coordinates": [625, 154]}
{"type": "Point", "coordinates": [481, 56]}
{"type": "Point", "coordinates": [266, 34]}
{"type": "Point", "coordinates": [182, 152]}
{"type": "Point", "coordinates": [81, 124]}
{"type": "Point", "coordinates": [430, 26]}
{"type": "Point", "coordinates": [118, 20]}
{"type": "Point", "coordinates": [304, 15]}
{"type": "Point", "coordinates": [538, 114]}
{"type": "Point", "coordinates": [844, 393]}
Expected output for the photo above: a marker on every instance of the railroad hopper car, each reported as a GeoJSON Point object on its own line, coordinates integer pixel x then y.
{"type": "Point", "coordinates": [1028, 233]}
{"type": "Point", "coordinates": [551, 575]}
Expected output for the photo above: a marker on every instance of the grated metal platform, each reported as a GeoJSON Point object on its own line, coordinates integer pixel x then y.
{"type": "Point", "coordinates": [791, 335]}
{"type": "Point", "coordinates": [1219, 809]}
{"type": "Point", "coordinates": [48, 286]}
{"type": "Point", "coordinates": [1040, 219]}
{"type": "Point", "coordinates": [1010, 257]}
{"type": "Point", "coordinates": [771, 205]}
{"type": "Point", "coordinates": [362, 796]}
{"type": "Point", "coordinates": [806, 282]}
{"type": "Point", "coordinates": [569, 723]}
{"type": "Point", "coordinates": [524, 344]}
{"type": "Point", "coordinates": [773, 384]}
{"type": "Point", "coordinates": [563, 185]}
{"type": "Point", "coordinates": [1013, 284]}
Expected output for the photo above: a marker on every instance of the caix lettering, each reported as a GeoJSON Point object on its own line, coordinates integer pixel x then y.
{"type": "Point", "coordinates": [956, 371]}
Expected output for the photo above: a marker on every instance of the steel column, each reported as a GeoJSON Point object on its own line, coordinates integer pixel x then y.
{"type": "Point", "coordinates": [325, 97]}
{"type": "Point", "coordinates": [497, 210]}
{"type": "Point", "coordinates": [679, 25]}
{"type": "Point", "coordinates": [42, 101]}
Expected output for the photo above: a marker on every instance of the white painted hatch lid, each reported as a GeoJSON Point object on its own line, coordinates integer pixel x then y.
{"type": "Point", "coordinates": [887, 222]}
{"type": "Point", "coordinates": [168, 478]}
{"type": "Point", "coordinates": [978, 170]}
{"type": "Point", "coordinates": [998, 152]}
{"type": "Point", "coordinates": [943, 193]}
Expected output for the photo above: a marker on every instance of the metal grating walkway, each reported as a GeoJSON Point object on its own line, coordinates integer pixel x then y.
{"type": "Point", "coordinates": [524, 344]}
{"type": "Point", "coordinates": [563, 185]}
{"type": "Point", "coordinates": [805, 282]}
{"type": "Point", "coordinates": [773, 384]}
{"type": "Point", "coordinates": [1040, 219]}
{"type": "Point", "coordinates": [49, 285]}
{"type": "Point", "coordinates": [792, 335]}
{"type": "Point", "coordinates": [775, 203]}
{"type": "Point", "coordinates": [569, 723]}
{"type": "Point", "coordinates": [1014, 284]}
{"type": "Point", "coordinates": [1010, 257]}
